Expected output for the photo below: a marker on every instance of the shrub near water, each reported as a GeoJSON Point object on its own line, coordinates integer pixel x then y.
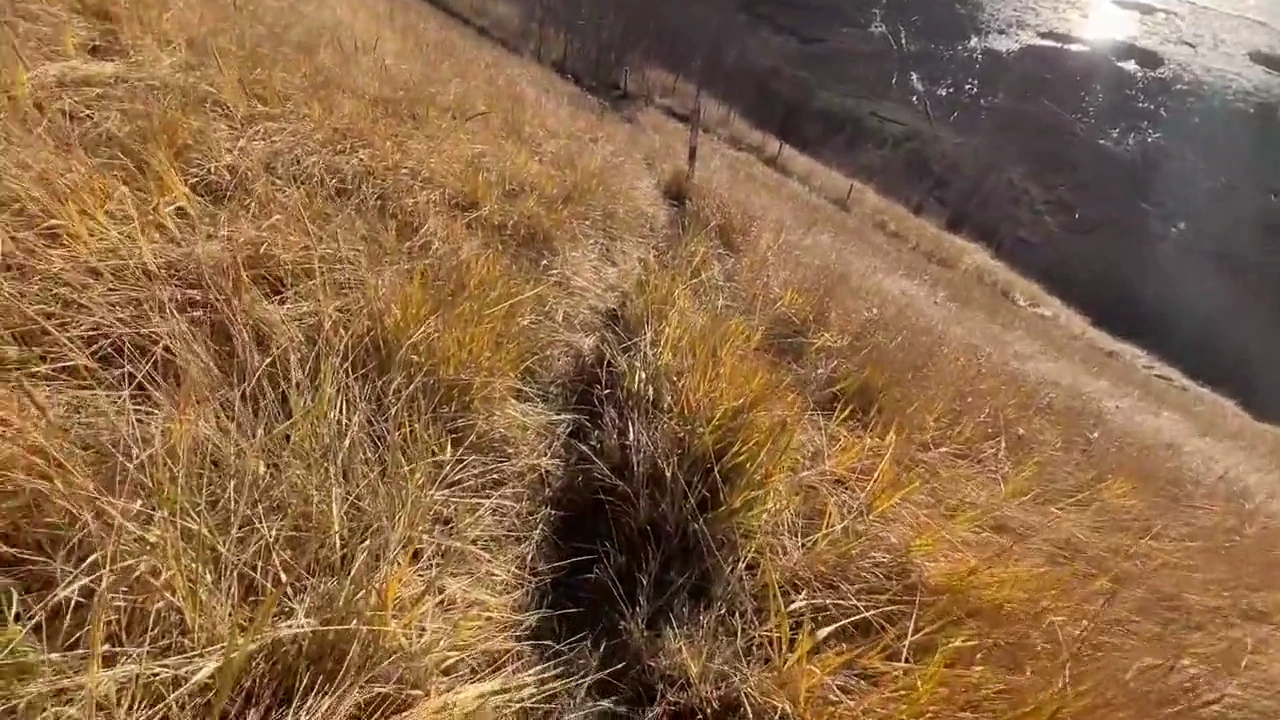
{"type": "Point", "coordinates": [354, 369]}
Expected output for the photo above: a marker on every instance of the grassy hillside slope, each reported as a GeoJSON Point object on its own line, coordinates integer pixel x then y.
{"type": "Point", "coordinates": [353, 368]}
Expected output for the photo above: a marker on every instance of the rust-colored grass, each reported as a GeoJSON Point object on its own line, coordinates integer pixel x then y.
{"type": "Point", "coordinates": [351, 367]}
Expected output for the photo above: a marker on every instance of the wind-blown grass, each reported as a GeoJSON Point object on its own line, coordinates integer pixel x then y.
{"type": "Point", "coordinates": [353, 368]}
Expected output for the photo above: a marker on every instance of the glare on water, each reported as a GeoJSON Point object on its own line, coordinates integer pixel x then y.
{"type": "Point", "coordinates": [1103, 20]}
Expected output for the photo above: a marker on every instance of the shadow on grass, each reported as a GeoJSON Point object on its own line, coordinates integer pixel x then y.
{"type": "Point", "coordinates": [637, 545]}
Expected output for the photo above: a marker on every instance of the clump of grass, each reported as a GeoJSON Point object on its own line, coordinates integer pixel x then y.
{"type": "Point", "coordinates": [702, 215]}
{"type": "Point", "coordinates": [677, 188]}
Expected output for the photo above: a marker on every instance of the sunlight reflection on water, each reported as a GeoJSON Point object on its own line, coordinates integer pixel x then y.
{"type": "Point", "coordinates": [1103, 20]}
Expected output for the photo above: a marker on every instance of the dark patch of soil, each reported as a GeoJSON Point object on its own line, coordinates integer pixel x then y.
{"type": "Point", "coordinates": [1264, 59]}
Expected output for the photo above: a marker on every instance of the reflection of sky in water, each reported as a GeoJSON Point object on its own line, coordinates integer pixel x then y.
{"type": "Point", "coordinates": [1104, 21]}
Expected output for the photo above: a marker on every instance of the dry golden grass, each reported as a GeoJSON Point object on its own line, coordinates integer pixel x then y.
{"type": "Point", "coordinates": [353, 368]}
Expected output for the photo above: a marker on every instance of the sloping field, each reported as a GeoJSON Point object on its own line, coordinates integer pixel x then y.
{"type": "Point", "coordinates": [351, 367]}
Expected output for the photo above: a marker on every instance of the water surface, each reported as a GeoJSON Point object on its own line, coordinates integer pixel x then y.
{"type": "Point", "coordinates": [1182, 214]}
{"type": "Point", "coordinates": [1210, 40]}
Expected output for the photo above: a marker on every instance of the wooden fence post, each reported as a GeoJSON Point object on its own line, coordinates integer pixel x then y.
{"type": "Point", "coordinates": [695, 127]}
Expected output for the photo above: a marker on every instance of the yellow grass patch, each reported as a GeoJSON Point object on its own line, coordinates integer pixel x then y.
{"type": "Point", "coordinates": [351, 367]}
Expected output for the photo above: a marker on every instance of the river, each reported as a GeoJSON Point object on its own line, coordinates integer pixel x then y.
{"type": "Point", "coordinates": [1209, 39]}
{"type": "Point", "coordinates": [1178, 247]}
